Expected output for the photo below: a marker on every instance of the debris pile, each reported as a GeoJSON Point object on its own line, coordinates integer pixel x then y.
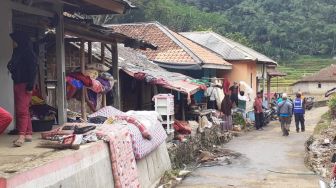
{"type": "Point", "coordinates": [320, 149]}
{"type": "Point", "coordinates": [187, 151]}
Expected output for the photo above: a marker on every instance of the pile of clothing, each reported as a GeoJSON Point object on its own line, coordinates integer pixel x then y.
{"type": "Point", "coordinates": [43, 112]}
{"type": "Point", "coordinates": [145, 128]}
{"type": "Point", "coordinates": [96, 79]}
{"type": "Point", "coordinates": [72, 135]}
{"type": "Point", "coordinates": [149, 78]}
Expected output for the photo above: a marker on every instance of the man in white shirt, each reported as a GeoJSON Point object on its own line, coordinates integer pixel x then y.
{"type": "Point", "coordinates": [212, 94]}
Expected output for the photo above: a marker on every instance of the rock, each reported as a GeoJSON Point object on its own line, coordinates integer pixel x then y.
{"type": "Point", "coordinates": [236, 133]}
{"type": "Point", "coordinates": [206, 156]}
{"type": "Point", "coordinates": [236, 128]}
{"type": "Point", "coordinates": [184, 172]}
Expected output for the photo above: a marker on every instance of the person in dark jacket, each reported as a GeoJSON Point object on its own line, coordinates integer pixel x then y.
{"type": "Point", "coordinates": [285, 112]}
{"type": "Point", "coordinates": [234, 93]}
{"type": "Point", "coordinates": [23, 67]}
{"type": "Point", "coordinates": [299, 111]}
{"type": "Point", "coordinates": [226, 108]}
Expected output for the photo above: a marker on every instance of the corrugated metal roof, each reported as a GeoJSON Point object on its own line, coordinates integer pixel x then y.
{"type": "Point", "coordinates": [132, 61]}
{"type": "Point", "coordinates": [230, 50]}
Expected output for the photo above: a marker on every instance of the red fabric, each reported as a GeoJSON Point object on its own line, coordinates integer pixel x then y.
{"type": "Point", "coordinates": [5, 119]}
{"type": "Point", "coordinates": [182, 127]}
{"type": "Point", "coordinates": [70, 89]}
{"type": "Point", "coordinates": [226, 86]}
{"type": "Point", "coordinates": [333, 175]}
{"type": "Point", "coordinates": [138, 124]}
{"type": "Point", "coordinates": [258, 105]}
{"type": "Point", "coordinates": [139, 76]}
{"type": "Point", "coordinates": [22, 103]}
{"type": "Point", "coordinates": [81, 77]}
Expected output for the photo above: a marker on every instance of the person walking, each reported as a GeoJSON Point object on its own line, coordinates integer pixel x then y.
{"type": "Point", "coordinates": [285, 112]}
{"type": "Point", "coordinates": [226, 108]}
{"type": "Point", "coordinates": [5, 120]}
{"type": "Point", "coordinates": [299, 111]}
{"type": "Point", "coordinates": [23, 67]}
{"type": "Point", "coordinates": [258, 112]}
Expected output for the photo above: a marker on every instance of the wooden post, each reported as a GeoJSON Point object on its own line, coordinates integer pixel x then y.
{"type": "Point", "coordinates": [182, 106]}
{"type": "Point", "coordinates": [269, 88]}
{"type": "Point", "coordinates": [82, 63]}
{"type": "Point", "coordinates": [60, 61]}
{"type": "Point", "coordinates": [102, 55]}
{"type": "Point", "coordinates": [115, 68]}
{"type": "Point", "coordinates": [42, 71]}
{"type": "Point", "coordinates": [264, 80]}
{"type": "Point", "coordinates": [89, 52]}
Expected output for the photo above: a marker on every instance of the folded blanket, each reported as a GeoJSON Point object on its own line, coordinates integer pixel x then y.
{"type": "Point", "coordinates": [138, 124]}
{"type": "Point", "coordinates": [124, 167]}
{"type": "Point", "coordinates": [142, 147]}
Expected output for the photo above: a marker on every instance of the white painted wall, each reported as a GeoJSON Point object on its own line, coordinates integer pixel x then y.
{"type": "Point", "coordinates": [312, 87]}
{"type": "Point", "coordinates": [6, 84]}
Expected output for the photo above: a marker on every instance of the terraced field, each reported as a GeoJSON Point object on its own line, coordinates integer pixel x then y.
{"type": "Point", "coordinates": [299, 68]}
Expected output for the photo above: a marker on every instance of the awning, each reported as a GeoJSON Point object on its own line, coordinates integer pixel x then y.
{"type": "Point", "coordinates": [170, 80]}
{"type": "Point", "coordinates": [275, 73]}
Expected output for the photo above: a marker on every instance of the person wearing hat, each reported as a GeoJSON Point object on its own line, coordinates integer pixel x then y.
{"type": "Point", "coordinates": [285, 112]}
{"type": "Point", "coordinates": [234, 93]}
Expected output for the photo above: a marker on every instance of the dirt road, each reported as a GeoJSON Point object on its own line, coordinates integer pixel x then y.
{"type": "Point", "coordinates": [268, 160]}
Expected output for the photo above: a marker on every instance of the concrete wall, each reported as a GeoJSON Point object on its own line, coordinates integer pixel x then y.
{"type": "Point", "coordinates": [6, 84]}
{"type": "Point", "coordinates": [242, 71]}
{"type": "Point", "coordinates": [152, 167]}
{"type": "Point", "coordinates": [86, 168]}
{"type": "Point", "coordinates": [312, 87]}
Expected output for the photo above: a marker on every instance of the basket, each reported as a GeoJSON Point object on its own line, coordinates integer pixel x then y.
{"type": "Point", "coordinates": [42, 125]}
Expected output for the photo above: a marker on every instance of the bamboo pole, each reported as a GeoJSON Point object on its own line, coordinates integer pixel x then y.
{"type": "Point", "coordinates": [82, 63]}
{"type": "Point", "coordinates": [102, 54]}
{"type": "Point", "coordinates": [115, 68]}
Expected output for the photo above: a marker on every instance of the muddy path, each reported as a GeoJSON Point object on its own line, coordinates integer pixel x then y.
{"type": "Point", "coordinates": [267, 160]}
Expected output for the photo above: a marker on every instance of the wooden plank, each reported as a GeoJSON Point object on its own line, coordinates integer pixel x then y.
{"type": "Point", "coordinates": [82, 63]}
{"type": "Point", "coordinates": [115, 68]}
{"type": "Point", "coordinates": [42, 71]}
{"type": "Point", "coordinates": [102, 55]}
{"type": "Point", "coordinates": [90, 52]}
{"type": "Point", "coordinates": [269, 89]}
{"type": "Point", "coordinates": [182, 107]}
{"type": "Point", "coordinates": [31, 10]}
{"type": "Point", "coordinates": [60, 61]}
{"type": "Point", "coordinates": [109, 5]}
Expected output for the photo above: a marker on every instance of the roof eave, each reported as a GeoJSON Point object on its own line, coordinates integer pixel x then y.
{"type": "Point", "coordinates": [216, 66]}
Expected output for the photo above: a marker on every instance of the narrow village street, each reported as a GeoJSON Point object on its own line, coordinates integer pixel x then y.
{"type": "Point", "coordinates": [268, 160]}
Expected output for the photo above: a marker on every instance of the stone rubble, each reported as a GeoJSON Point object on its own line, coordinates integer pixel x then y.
{"type": "Point", "coordinates": [320, 149]}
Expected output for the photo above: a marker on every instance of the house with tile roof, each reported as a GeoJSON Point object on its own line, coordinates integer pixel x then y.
{"type": "Point", "coordinates": [175, 52]}
{"type": "Point", "coordinates": [248, 65]}
{"type": "Point", "coordinates": [317, 83]}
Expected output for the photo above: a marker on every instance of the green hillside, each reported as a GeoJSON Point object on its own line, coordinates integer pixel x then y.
{"type": "Point", "coordinates": [304, 65]}
{"type": "Point", "coordinates": [281, 29]}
